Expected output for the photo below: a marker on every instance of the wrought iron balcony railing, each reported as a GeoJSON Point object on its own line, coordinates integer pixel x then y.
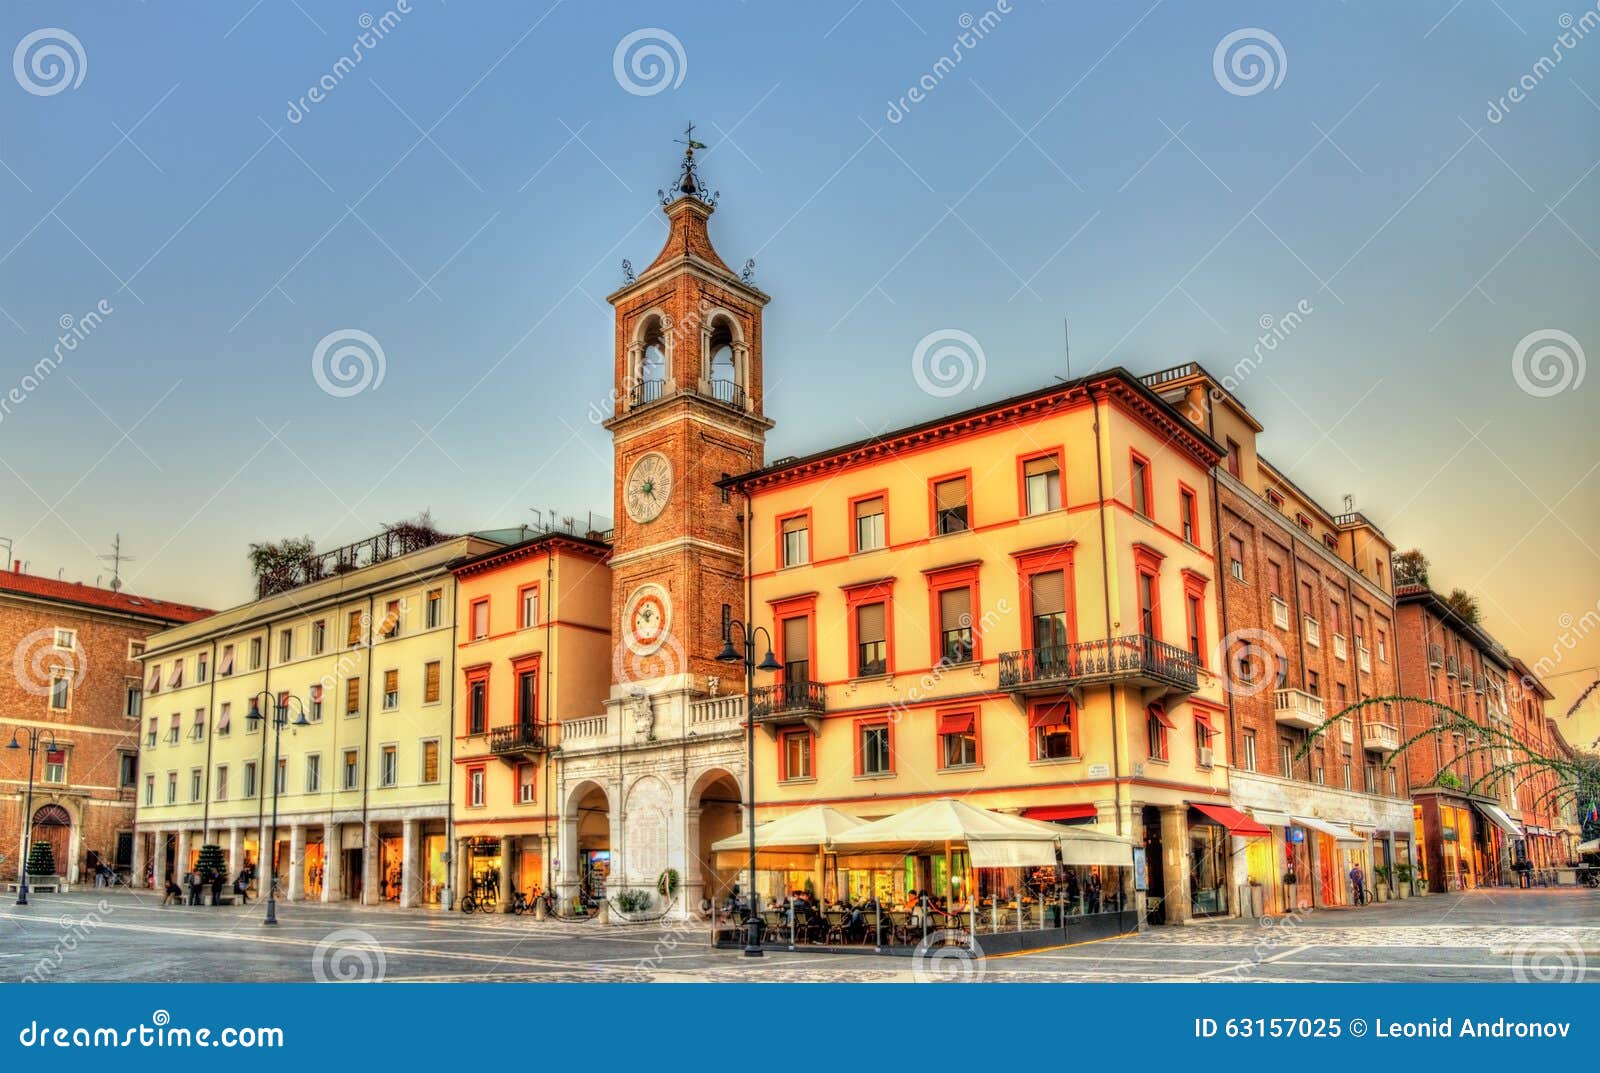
{"type": "Point", "coordinates": [1133, 658]}
{"type": "Point", "coordinates": [788, 702]}
{"type": "Point", "coordinates": [517, 739]}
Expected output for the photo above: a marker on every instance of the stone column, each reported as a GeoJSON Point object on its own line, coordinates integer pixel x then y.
{"type": "Point", "coordinates": [410, 881]}
{"type": "Point", "coordinates": [235, 849]}
{"type": "Point", "coordinates": [332, 862]}
{"type": "Point", "coordinates": [158, 875]}
{"type": "Point", "coordinates": [615, 838]}
{"type": "Point", "coordinates": [1175, 863]}
{"type": "Point", "coordinates": [1314, 854]}
{"type": "Point", "coordinates": [136, 880]}
{"type": "Point", "coordinates": [463, 869]}
{"type": "Point", "coordinates": [180, 864]}
{"type": "Point", "coordinates": [370, 894]}
{"type": "Point", "coordinates": [297, 862]}
{"type": "Point", "coordinates": [508, 881]}
{"type": "Point", "coordinates": [567, 877]}
{"type": "Point", "coordinates": [694, 884]}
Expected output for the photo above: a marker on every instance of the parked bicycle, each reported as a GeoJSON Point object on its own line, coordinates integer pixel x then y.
{"type": "Point", "coordinates": [519, 902]}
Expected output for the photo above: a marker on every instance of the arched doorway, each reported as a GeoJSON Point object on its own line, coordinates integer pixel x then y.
{"type": "Point", "coordinates": [718, 798]}
{"type": "Point", "coordinates": [53, 824]}
{"type": "Point", "coordinates": [589, 811]}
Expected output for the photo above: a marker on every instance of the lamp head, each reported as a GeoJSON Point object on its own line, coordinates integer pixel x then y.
{"type": "Point", "coordinates": [254, 715]}
{"type": "Point", "coordinates": [768, 663]}
{"type": "Point", "coordinates": [13, 744]}
{"type": "Point", "coordinates": [728, 654]}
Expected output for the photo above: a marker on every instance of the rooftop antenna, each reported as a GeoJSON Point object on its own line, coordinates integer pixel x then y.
{"type": "Point", "coordinates": [1349, 503]}
{"type": "Point", "coordinates": [1066, 341]}
{"type": "Point", "coordinates": [7, 542]}
{"type": "Point", "coordinates": [116, 559]}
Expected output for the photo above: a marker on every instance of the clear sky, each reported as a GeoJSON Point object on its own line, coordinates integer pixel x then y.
{"type": "Point", "coordinates": [465, 194]}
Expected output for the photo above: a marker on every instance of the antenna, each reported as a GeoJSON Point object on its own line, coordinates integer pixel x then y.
{"type": "Point", "coordinates": [1349, 503]}
{"type": "Point", "coordinates": [1066, 342]}
{"type": "Point", "coordinates": [116, 559]}
{"type": "Point", "coordinates": [7, 542]}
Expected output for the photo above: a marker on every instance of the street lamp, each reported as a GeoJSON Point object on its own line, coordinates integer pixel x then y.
{"type": "Point", "coordinates": [280, 718]}
{"type": "Point", "coordinates": [729, 654]}
{"type": "Point", "coordinates": [27, 818]}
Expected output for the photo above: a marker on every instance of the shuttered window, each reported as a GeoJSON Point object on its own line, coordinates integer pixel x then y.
{"type": "Point", "coordinates": [430, 683]}
{"type": "Point", "coordinates": [955, 624]}
{"type": "Point", "coordinates": [872, 649]}
{"type": "Point", "coordinates": [950, 506]}
{"type": "Point", "coordinates": [1047, 593]}
{"type": "Point", "coordinates": [352, 696]}
{"type": "Point", "coordinates": [391, 688]}
{"type": "Point", "coordinates": [1041, 483]}
{"type": "Point", "coordinates": [430, 761]}
{"type": "Point", "coordinates": [796, 650]}
{"type": "Point", "coordinates": [353, 631]}
{"type": "Point", "coordinates": [796, 541]}
{"type": "Point", "coordinates": [870, 524]}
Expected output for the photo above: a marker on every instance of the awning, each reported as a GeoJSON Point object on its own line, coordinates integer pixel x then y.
{"type": "Point", "coordinates": [1497, 816]}
{"type": "Point", "coordinates": [956, 724]}
{"type": "Point", "coordinates": [805, 830]}
{"type": "Point", "coordinates": [1057, 813]}
{"type": "Point", "coordinates": [1159, 710]}
{"type": "Point", "coordinates": [1591, 846]}
{"type": "Point", "coordinates": [1050, 715]}
{"type": "Point", "coordinates": [1012, 853]}
{"type": "Point", "coordinates": [1272, 819]}
{"type": "Point", "coordinates": [1085, 848]}
{"type": "Point", "coordinates": [1234, 820]}
{"type": "Point", "coordinates": [1337, 832]}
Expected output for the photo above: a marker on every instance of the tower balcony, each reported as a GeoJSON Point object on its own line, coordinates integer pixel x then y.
{"type": "Point", "coordinates": [518, 741]}
{"type": "Point", "coordinates": [787, 703]}
{"type": "Point", "coordinates": [1134, 659]}
{"type": "Point", "coordinates": [1297, 708]}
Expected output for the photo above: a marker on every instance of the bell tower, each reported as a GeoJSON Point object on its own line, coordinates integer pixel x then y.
{"type": "Point", "coordinates": [688, 412]}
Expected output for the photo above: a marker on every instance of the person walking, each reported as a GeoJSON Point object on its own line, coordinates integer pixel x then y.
{"type": "Point", "coordinates": [1358, 884]}
{"type": "Point", "coordinates": [193, 879]}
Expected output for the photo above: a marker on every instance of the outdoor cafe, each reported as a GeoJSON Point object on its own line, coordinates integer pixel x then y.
{"type": "Point", "coordinates": [941, 873]}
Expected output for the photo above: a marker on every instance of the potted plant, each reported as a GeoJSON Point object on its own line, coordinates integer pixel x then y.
{"type": "Point", "coordinates": [41, 861]}
{"type": "Point", "coordinates": [1381, 890]}
{"type": "Point", "coordinates": [1291, 886]}
{"type": "Point", "coordinates": [1403, 874]}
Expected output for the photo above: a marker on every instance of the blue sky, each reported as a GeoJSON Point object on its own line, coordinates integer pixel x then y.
{"type": "Point", "coordinates": [1081, 162]}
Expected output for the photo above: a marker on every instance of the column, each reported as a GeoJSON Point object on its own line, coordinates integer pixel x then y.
{"type": "Point", "coordinates": [411, 838]}
{"type": "Point", "coordinates": [370, 894]}
{"type": "Point", "coordinates": [1175, 863]}
{"type": "Point", "coordinates": [694, 876]}
{"type": "Point", "coordinates": [136, 880]}
{"type": "Point", "coordinates": [1315, 855]}
{"type": "Point", "coordinates": [235, 849]}
{"type": "Point", "coordinates": [508, 883]}
{"type": "Point", "coordinates": [332, 862]}
{"type": "Point", "coordinates": [617, 822]}
{"type": "Point", "coordinates": [297, 862]}
{"type": "Point", "coordinates": [180, 864]}
{"type": "Point", "coordinates": [567, 877]}
{"type": "Point", "coordinates": [158, 876]}
{"type": "Point", "coordinates": [463, 869]}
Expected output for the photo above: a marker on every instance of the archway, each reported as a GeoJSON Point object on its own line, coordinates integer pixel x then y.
{"type": "Point", "coordinates": [589, 813]}
{"type": "Point", "coordinates": [727, 379]}
{"type": "Point", "coordinates": [53, 824]}
{"type": "Point", "coordinates": [717, 797]}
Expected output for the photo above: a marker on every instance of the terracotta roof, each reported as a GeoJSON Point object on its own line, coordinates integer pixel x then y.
{"type": "Point", "coordinates": [75, 592]}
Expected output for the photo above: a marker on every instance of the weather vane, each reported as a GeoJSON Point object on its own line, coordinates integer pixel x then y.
{"type": "Point", "coordinates": [689, 176]}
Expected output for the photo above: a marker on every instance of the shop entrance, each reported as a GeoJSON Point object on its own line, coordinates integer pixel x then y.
{"type": "Point", "coordinates": [1155, 912]}
{"type": "Point", "coordinates": [391, 854]}
{"type": "Point", "coordinates": [720, 816]}
{"type": "Point", "coordinates": [351, 880]}
{"type": "Point", "coordinates": [435, 872]}
{"type": "Point", "coordinates": [592, 810]}
{"type": "Point", "coordinates": [315, 863]}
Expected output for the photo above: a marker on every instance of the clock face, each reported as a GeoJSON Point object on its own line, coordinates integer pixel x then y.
{"type": "Point", "coordinates": [648, 485]}
{"type": "Point", "coordinates": [646, 619]}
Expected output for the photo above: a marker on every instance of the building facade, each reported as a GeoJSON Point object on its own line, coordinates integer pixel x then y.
{"type": "Point", "coordinates": [362, 661]}
{"type": "Point", "coordinates": [1535, 791]}
{"type": "Point", "coordinates": [1308, 632]}
{"type": "Point", "coordinates": [76, 685]}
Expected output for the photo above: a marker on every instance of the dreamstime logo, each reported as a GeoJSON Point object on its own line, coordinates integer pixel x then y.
{"type": "Point", "coordinates": [648, 61]}
{"type": "Point", "coordinates": [948, 362]}
{"type": "Point", "coordinates": [1572, 32]}
{"type": "Point", "coordinates": [37, 663]}
{"type": "Point", "coordinates": [373, 30]}
{"type": "Point", "coordinates": [973, 30]}
{"type": "Point", "coordinates": [1557, 958]}
{"type": "Point", "coordinates": [348, 956]}
{"type": "Point", "coordinates": [348, 362]}
{"type": "Point", "coordinates": [1249, 659]}
{"type": "Point", "coordinates": [665, 659]}
{"type": "Point", "coordinates": [48, 61]}
{"type": "Point", "coordinates": [1248, 61]}
{"type": "Point", "coordinates": [950, 956]}
{"type": "Point", "coordinates": [74, 331]}
{"type": "Point", "coordinates": [1548, 362]}
{"type": "Point", "coordinates": [75, 930]}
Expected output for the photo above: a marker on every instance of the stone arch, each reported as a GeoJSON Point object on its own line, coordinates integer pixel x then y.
{"type": "Point", "coordinates": [725, 358]}
{"type": "Point", "coordinates": [586, 837]}
{"type": "Point", "coordinates": [647, 830]}
{"type": "Point", "coordinates": [649, 358]}
{"type": "Point", "coordinates": [716, 810]}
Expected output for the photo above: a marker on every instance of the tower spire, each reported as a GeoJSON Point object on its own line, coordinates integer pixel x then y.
{"type": "Point", "coordinates": [689, 184]}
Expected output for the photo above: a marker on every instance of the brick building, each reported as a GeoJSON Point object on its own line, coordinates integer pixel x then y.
{"type": "Point", "coordinates": [1535, 796]}
{"type": "Point", "coordinates": [75, 679]}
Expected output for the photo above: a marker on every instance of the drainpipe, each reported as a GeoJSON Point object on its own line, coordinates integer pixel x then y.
{"type": "Point", "coordinates": [1105, 592]}
{"type": "Point", "coordinates": [364, 769]}
{"type": "Point", "coordinates": [211, 706]}
{"type": "Point", "coordinates": [261, 765]}
{"type": "Point", "coordinates": [549, 604]}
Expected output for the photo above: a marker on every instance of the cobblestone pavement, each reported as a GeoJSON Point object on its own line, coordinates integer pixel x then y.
{"type": "Point", "coordinates": [118, 936]}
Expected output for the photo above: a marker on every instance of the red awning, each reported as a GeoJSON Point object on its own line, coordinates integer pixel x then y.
{"type": "Point", "coordinates": [957, 724]}
{"type": "Point", "coordinates": [1203, 717]}
{"type": "Point", "coordinates": [1235, 821]}
{"type": "Point", "coordinates": [1061, 812]}
{"type": "Point", "coordinates": [1050, 715]}
{"type": "Point", "coordinates": [1160, 712]}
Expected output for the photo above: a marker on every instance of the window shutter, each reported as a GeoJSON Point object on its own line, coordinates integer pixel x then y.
{"type": "Point", "coordinates": [870, 623]}
{"type": "Point", "coordinates": [1048, 593]}
{"type": "Point", "coordinates": [1036, 467]}
{"type": "Point", "coordinates": [948, 495]}
{"type": "Point", "coordinates": [430, 687]}
{"type": "Point", "coordinates": [391, 681]}
{"type": "Point", "coordinates": [953, 605]}
{"type": "Point", "coordinates": [353, 635]}
{"type": "Point", "coordinates": [352, 695]}
{"type": "Point", "coordinates": [867, 508]}
{"type": "Point", "coordinates": [796, 640]}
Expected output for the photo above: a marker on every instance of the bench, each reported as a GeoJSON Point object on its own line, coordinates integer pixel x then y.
{"type": "Point", "coordinates": [42, 885]}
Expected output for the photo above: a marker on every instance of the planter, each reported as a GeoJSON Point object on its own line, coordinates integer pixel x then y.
{"type": "Point", "coordinates": [1291, 897]}
{"type": "Point", "coordinates": [1258, 900]}
{"type": "Point", "coordinates": [1403, 891]}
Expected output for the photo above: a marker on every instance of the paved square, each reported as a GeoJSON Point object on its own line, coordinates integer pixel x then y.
{"type": "Point", "coordinates": [1497, 936]}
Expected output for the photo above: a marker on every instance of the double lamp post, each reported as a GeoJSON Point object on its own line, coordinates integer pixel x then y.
{"type": "Point", "coordinates": [279, 705]}
{"type": "Point", "coordinates": [729, 654]}
{"type": "Point", "coordinates": [27, 811]}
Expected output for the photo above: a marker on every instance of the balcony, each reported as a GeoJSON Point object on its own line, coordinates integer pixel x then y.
{"type": "Point", "coordinates": [1452, 666]}
{"type": "Point", "coordinates": [1347, 731]}
{"type": "Point", "coordinates": [1297, 708]}
{"type": "Point", "coordinates": [1313, 632]}
{"type": "Point", "coordinates": [517, 741]}
{"type": "Point", "coordinates": [1380, 737]}
{"type": "Point", "coordinates": [1134, 659]}
{"type": "Point", "coordinates": [789, 702]}
{"type": "Point", "coordinates": [1364, 658]}
{"type": "Point", "coordinates": [646, 391]}
{"type": "Point", "coordinates": [1341, 647]}
{"type": "Point", "coordinates": [1435, 655]}
{"type": "Point", "coordinates": [1280, 613]}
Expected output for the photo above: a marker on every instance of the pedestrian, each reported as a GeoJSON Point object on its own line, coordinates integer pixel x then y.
{"type": "Point", "coordinates": [1358, 881]}
{"type": "Point", "coordinates": [174, 895]}
{"type": "Point", "coordinates": [193, 880]}
{"type": "Point", "coordinates": [216, 886]}
{"type": "Point", "coordinates": [241, 886]}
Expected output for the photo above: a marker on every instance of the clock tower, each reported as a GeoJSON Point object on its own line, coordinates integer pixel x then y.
{"type": "Point", "coordinates": [687, 412]}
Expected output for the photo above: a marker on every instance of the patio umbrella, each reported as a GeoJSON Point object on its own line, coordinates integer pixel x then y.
{"type": "Point", "coordinates": [1591, 846]}
{"type": "Point", "coordinates": [806, 830]}
{"type": "Point", "coordinates": [993, 839]}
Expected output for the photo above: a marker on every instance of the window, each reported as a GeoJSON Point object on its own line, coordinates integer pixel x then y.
{"type": "Point", "coordinates": [1320, 775]}
{"type": "Point", "coordinates": [527, 697]}
{"type": "Point", "coordinates": [249, 778]}
{"type": "Point", "coordinates": [1346, 773]}
{"type": "Point", "coordinates": [1157, 723]}
{"type": "Point", "coordinates": [175, 679]}
{"type": "Point", "coordinates": [225, 666]}
{"type": "Point", "coordinates": [530, 607]}
{"type": "Point", "coordinates": [66, 640]}
{"type": "Point", "coordinates": [796, 533]}
{"type": "Point", "coordinates": [1275, 497]}
{"type": "Point", "coordinates": [285, 646]}
{"type": "Point", "coordinates": [1249, 759]}
{"type": "Point", "coordinates": [391, 690]}
{"type": "Point", "coordinates": [1304, 521]}
{"type": "Point", "coordinates": [950, 508]}
{"type": "Point", "coordinates": [1140, 487]}
{"type": "Point", "coordinates": [1233, 456]}
{"type": "Point", "coordinates": [174, 728]}
{"type": "Point", "coordinates": [1193, 617]}
{"type": "Point", "coordinates": [480, 619]}
{"type": "Point", "coordinates": [135, 649]}
{"type": "Point", "coordinates": [430, 682]}
{"type": "Point", "coordinates": [1286, 758]}
{"type": "Point", "coordinates": [1371, 777]}
{"type": "Point", "coordinates": [1275, 578]}
{"type": "Point", "coordinates": [388, 768]}
{"type": "Point", "coordinates": [797, 649]}
{"type": "Point", "coordinates": [313, 773]}
{"type": "Point", "coordinates": [430, 760]}
{"type": "Point", "coordinates": [955, 625]}
{"type": "Point", "coordinates": [352, 696]}
{"type": "Point", "coordinates": [1330, 541]}
{"type": "Point", "coordinates": [196, 782]}
{"type": "Point", "coordinates": [1047, 604]}
{"type": "Point", "coordinates": [525, 784]}
{"type": "Point", "coordinates": [872, 645]}
{"type": "Point", "coordinates": [1202, 739]}
{"type": "Point", "coordinates": [55, 766]}
{"type": "Point", "coordinates": [873, 750]}
{"type": "Point", "coordinates": [133, 698]}
{"type": "Point", "coordinates": [129, 773]}
{"type": "Point", "coordinates": [222, 782]}
{"type": "Point", "coordinates": [433, 608]}
{"type": "Point", "coordinates": [319, 636]}
{"type": "Point", "coordinates": [1392, 792]}
{"type": "Point", "coordinates": [1383, 647]}
{"type": "Point", "coordinates": [1054, 728]}
{"type": "Point", "coordinates": [255, 653]}
{"type": "Point", "coordinates": [172, 787]}
{"type": "Point", "coordinates": [202, 664]}
{"type": "Point", "coordinates": [475, 781]}
{"type": "Point", "coordinates": [1236, 558]}
{"type": "Point", "coordinates": [150, 734]}
{"type": "Point", "coordinates": [352, 629]}
{"type": "Point", "coordinates": [199, 731]}
{"type": "Point", "coordinates": [314, 703]}
{"type": "Point", "coordinates": [795, 755]}
{"type": "Point", "coordinates": [150, 789]}
{"type": "Point", "coordinates": [1188, 515]}
{"type": "Point", "coordinates": [352, 769]}
{"type": "Point", "coordinates": [1041, 485]}
{"type": "Point", "coordinates": [1149, 620]}
{"type": "Point", "coordinates": [283, 776]}
{"type": "Point", "coordinates": [1314, 683]}
{"type": "Point", "coordinates": [60, 692]}
{"type": "Point", "coordinates": [958, 740]}
{"type": "Point", "coordinates": [391, 619]}
{"type": "Point", "coordinates": [477, 705]}
{"type": "Point", "coordinates": [153, 683]}
{"type": "Point", "coordinates": [870, 531]}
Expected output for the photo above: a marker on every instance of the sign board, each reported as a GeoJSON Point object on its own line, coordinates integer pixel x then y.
{"type": "Point", "coordinates": [1099, 771]}
{"type": "Point", "coordinates": [1141, 870]}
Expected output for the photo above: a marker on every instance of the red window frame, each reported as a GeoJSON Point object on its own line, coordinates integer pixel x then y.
{"type": "Point", "coordinates": [482, 773]}
{"type": "Point", "coordinates": [958, 576]}
{"type": "Point", "coordinates": [933, 502]}
{"type": "Point", "coordinates": [1043, 561]}
{"type": "Point", "coordinates": [1059, 453]}
{"type": "Point", "coordinates": [1037, 710]}
{"type": "Point", "coordinates": [850, 519]}
{"type": "Point", "coordinates": [1140, 475]}
{"type": "Point", "coordinates": [796, 607]}
{"type": "Point", "coordinates": [521, 665]}
{"type": "Point", "coordinates": [1147, 564]}
{"type": "Point", "coordinates": [777, 536]}
{"type": "Point", "coordinates": [1194, 595]}
{"type": "Point", "coordinates": [472, 619]}
{"type": "Point", "coordinates": [784, 774]}
{"type": "Point", "coordinates": [864, 723]}
{"type": "Point", "coordinates": [1188, 514]}
{"type": "Point", "coordinates": [532, 782]}
{"type": "Point", "coordinates": [472, 676]}
{"type": "Point", "coordinates": [865, 595]}
{"type": "Point", "coordinates": [522, 594]}
{"type": "Point", "coordinates": [976, 716]}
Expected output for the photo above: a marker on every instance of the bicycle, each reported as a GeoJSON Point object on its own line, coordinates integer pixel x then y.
{"type": "Point", "coordinates": [1361, 896]}
{"type": "Point", "coordinates": [519, 902]}
{"type": "Point", "coordinates": [471, 902]}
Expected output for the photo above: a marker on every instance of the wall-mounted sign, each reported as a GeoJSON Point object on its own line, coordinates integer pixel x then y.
{"type": "Point", "coordinates": [1141, 870]}
{"type": "Point", "coordinates": [1099, 771]}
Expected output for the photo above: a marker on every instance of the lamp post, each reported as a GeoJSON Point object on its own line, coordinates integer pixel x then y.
{"type": "Point", "coordinates": [280, 718]}
{"type": "Point", "coordinates": [729, 654]}
{"type": "Point", "coordinates": [27, 812]}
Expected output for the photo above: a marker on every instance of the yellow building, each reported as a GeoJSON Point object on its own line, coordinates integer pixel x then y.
{"type": "Point", "coordinates": [533, 651]}
{"type": "Point", "coordinates": [1012, 605]}
{"type": "Point", "coordinates": [359, 642]}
